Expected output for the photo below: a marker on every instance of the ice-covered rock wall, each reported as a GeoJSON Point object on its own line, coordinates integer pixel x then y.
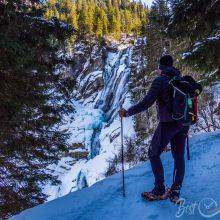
{"type": "Point", "coordinates": [102, 74]}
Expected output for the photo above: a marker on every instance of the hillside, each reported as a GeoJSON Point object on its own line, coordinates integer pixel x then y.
{"type": "Point", "coordinates": [104, 199]}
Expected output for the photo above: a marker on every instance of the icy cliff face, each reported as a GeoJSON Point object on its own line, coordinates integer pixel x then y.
{"type": "Point", "coordinates": [102, 74]}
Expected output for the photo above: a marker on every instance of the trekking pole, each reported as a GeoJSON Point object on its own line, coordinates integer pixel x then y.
{"type": "Point", "coordinates": [122, 157]}
{"type": "Point", "coordinates": [187, 147]}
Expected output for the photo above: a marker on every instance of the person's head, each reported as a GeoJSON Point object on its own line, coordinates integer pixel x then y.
{"type": "Point", "coordinates": [165, 61]}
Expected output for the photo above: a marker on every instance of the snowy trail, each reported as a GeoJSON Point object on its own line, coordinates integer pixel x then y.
{"type": "Point", "coordinates": [104, 199]}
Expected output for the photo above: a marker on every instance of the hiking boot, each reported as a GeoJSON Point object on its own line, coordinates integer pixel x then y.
{"type": "Point", "coordinates": [174, 195]}
{"type": "Point", "coordinates": [155, 194]}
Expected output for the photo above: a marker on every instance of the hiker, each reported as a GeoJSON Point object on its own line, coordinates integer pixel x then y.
{"type": "Point", "coordinates": [167, 131]}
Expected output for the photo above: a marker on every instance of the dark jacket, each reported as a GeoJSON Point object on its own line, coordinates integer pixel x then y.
{"type": "Point", "coordinates": [161, 92]}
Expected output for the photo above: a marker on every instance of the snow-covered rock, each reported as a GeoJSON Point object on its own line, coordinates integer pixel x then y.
{"type": "Point", "coordinates": [200, 193]}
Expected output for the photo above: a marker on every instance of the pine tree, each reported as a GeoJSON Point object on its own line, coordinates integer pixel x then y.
{"type": "Point", "coordinates": [159, 15]}
{"type": "Point", "coordinates": [198, 30]}
{"type": "Point", "coordinates": [64, 10]}
{"type": "Point", "coordinates": [101, 22]}
{"type": "Point", "coordinates": [51, 10]}
{"type": "Point", "coordinates": [91, 17]}
{"type": "Point", "coordinates": [110, 19]}
{"type": "Point", "coordinates": [155, 32]}
{"type": "Point", "coordinates": [72, 15]}
{"type": "Point", "coordinates": [116, 23]}
{"type": "Point", "coordinates": [104, 19]}
{"type": "Point", "coordinates": [86, 20]}
{"type": "Point", "coordinates": [33, 101]}
{"type": "Point", "coordinates": [128, 21]}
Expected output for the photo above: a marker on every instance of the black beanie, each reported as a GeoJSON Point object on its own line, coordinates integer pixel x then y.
{"type": "Point", "coordinates": [166, 60]}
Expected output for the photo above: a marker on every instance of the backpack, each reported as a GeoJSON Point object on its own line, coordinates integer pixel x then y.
{"type": "Point", "coordinates": [185, 99]}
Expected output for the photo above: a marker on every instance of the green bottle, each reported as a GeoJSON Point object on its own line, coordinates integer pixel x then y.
{"type": "Point", "coordinates": [190, 103]}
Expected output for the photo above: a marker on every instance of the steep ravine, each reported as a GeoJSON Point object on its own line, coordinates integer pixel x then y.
{"type": "Point", "coordinates": [102, 86]}
{"type": "Point", "coordinates": [115, 76]}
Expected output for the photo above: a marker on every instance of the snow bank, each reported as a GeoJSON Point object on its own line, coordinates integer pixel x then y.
{"type": "Point", "coordinates": [104, 199]}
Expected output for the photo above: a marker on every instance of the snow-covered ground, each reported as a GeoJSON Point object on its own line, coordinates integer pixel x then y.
{"type": "Point", "coordinates": [104, 199]}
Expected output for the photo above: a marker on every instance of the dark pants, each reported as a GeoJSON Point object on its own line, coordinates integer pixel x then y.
{"type": "Point", "coordinates": [175, 134]}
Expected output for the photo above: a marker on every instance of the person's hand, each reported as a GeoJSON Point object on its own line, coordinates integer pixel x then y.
{"type": "Point", "coordinates": [122, 113]}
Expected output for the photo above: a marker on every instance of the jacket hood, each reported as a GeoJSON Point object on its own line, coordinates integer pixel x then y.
{"type": "Point", "coordinates": [171, 71]}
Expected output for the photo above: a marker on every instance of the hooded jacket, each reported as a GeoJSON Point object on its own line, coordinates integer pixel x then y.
{"type": "Point", "coordinates": [161, 92]}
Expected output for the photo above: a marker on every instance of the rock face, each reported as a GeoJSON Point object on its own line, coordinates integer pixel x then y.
{"type": "Point", "coordinates": [89, 64]}
{"type": "Point", "coordinates": [102, 74]}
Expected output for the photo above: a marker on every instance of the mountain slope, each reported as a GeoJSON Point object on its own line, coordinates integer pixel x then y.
{"type": "Point", "coordinates": [104, 199]}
